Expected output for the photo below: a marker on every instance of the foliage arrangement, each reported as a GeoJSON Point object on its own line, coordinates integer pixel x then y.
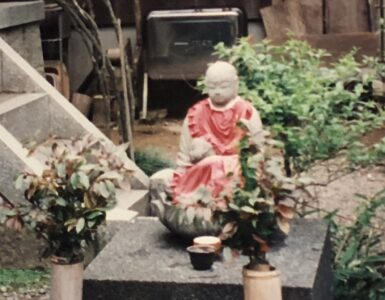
{"type": "Point", "coordinates": [68, 201]}
{"type": "Point", "coordinates": [256, 216]}
{"type": "Point", "coordinates": [314, 110]}
{"type": "Point", "coordinates": [152, 160]}
{"type": "Point", "coordinates": [359, 258]}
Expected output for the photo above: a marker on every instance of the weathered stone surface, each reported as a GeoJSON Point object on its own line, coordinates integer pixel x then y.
{"type": "Point", "coordinates": [67, 121]}
{"type": "Point", "coordinates": [137, 200]}
{"type": "Point", "coordinates": [11, 166]}
{"type": "Point", "coordinates": [14, 80]}
{"type": "Point", "coordinates": [19, 27]}
{"type": "Point", "coordinates": [63, 124]}
{"type": "Point", "coordinates": [144, 261]}
{"type": "Point", "coordinates": [26, 41]}
{"type": "Point", "coordinates": [19, 116]}
{"type": "Point", "coordinates": [16, 13]}
{"type": "Point", "coordinates": [1, 72]}
{"type": "Point", "coordinates": [33, 52]}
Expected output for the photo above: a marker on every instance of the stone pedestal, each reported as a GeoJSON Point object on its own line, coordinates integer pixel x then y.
{"type": "Point", "coordinates": [145, 261]}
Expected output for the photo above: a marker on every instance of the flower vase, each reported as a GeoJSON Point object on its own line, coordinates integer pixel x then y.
{"type": "Point", "coordinates": [261, 285]}
{"type": "Point", "coordinates": [66, 281]}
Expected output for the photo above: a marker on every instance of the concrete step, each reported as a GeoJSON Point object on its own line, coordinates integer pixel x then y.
{"type": "Point", "coordinates": [14, 160]}
{"type": "Point", "coordinates": [26, 116]}
{"type": "Point", "coordinates": [53, 114]}
{"type": "Point", "coordinates": [34, 116]}
{"type": "Point", "coordinates": [120, 214]}
{"type": "Point", "coordinates": [136, 200]}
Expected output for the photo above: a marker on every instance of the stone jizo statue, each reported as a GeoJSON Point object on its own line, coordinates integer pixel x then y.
{"type": "Point", "coordinates": [208, 148]}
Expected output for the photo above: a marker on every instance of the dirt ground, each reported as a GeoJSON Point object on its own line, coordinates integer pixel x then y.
{"type": "Point", "coordinates": [163, 135]}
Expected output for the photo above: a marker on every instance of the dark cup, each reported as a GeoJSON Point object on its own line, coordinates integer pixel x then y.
{"type": "Point", "coordinates": [201, 257]}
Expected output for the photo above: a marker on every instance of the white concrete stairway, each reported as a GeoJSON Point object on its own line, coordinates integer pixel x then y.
{"type": "Point", "coordinates": [31, 110]}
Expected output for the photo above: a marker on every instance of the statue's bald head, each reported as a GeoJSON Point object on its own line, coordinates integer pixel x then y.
{"type": "Point", "coordinates": [222, 82]}
{"type": "Point", "coordinates": [221, 70]}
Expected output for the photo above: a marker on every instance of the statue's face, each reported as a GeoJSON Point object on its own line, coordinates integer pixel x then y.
{"type": "Point", "coordinates": [221, 92]}
{"type": "Point", "coordinates": [222, 84]}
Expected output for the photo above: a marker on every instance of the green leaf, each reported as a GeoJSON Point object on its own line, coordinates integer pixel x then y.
{"type": "Point", "coordinates": [88, 167]}
{"type": "Point", "coordinates": [111, 175]}
{"type": "Point", "coordinates": [103, 190]}
{"type": "Point", "coordinates": [74, 180]}
{"type": "Point", "coordinates": [80, 225]}
{"type": "Point", "coordinates": [61, 202]}
{"type": "Point", "coordinates": [70, 222]}
{"type": "Point", "coordinates": [84, 180]}
{"type": "Point", "coordinates": [10, 212]}
{"type": "Point", "coordinates": [61, 170]}
{"type": "Point", "coordinates": [95, 214]}
{"type": "Point", "coordinates": [91, 224]}
{"type": "Point", "coordinates": [233, 206]}
{"type": "Point", "coordinates": [249, 210]}
{"type": "Point", "coordinates": [19, 183]}
{"type": "Point", "coordinates": [190, 214]}
{"type": "Point", "coordinates": [110, 186]}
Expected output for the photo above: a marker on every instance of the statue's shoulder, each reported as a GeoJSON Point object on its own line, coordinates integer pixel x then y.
{"type": "Point", "coordinates": [245, 108]}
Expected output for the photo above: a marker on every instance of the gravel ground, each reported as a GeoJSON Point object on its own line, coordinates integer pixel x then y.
{"type": "Point", "coordinates": [24, 294]}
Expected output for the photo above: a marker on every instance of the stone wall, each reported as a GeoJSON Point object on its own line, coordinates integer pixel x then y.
{"type": "Point", "coordinates": [25, 39]}
{"type": "Point", "coordinates": [20, 28]}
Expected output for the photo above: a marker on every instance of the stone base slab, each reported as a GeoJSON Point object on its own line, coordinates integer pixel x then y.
{"type": "Point", "coordinates": [145, 261]}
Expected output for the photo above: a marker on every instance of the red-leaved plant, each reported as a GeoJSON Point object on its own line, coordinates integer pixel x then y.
{"type": "Point", "coordinates": [68, 201]}
{"type": "Point", "coordinates": [257, 216]}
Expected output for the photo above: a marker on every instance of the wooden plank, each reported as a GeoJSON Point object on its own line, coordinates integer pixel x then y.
{"type": "Point", "coordinates": [312, 14]}
{"type": "Point", "coordinates": [343, 16]}
{"type": "Point", "coordinates": [283, 18]}
{"type": "Point", "coordinates": [340, 44]}
{"type": "Point", "coordinates": [374, 14]}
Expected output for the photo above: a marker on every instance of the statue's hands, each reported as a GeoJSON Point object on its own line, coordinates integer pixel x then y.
{"type": "Point", "coordinates": [200, 149]}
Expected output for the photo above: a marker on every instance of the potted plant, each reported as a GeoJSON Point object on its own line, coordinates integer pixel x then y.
{"type": "Point", "coordinates": [256, 218]}
{"type": "Point", "coordinates": [66, 204]}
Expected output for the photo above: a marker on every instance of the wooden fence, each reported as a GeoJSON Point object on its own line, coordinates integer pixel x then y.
{"type": "Point", "coordinates": [335, 25]}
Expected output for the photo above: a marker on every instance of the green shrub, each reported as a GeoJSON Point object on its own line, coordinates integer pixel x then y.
{"type": "Point", "coordinates": [151, 160]}
{"type": "Point", "coordinates": [359, 259]}
{"type": "Point", "coordinates": [314, 110]}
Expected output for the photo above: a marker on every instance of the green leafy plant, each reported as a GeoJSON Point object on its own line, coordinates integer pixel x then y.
{"type": "Point", "coordinates": [68, 201]}
{"type": "Point", "coordinates": [152, 160]}
{"type": "Point", "coordinates": [316, 111]}
{"type": "Point", "coordinates": [256, 216]}
{"type": "Point", "coordinates": [359, 259]}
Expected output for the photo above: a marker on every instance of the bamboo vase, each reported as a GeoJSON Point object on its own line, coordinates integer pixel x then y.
{"type": "Point", "coordinates": [261, 285]}
{"type": "Point", "coordinates": [66, 281]}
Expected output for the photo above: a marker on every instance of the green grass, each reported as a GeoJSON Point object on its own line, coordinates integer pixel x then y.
{"type": "Point", "coordinates": [19, 278]}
